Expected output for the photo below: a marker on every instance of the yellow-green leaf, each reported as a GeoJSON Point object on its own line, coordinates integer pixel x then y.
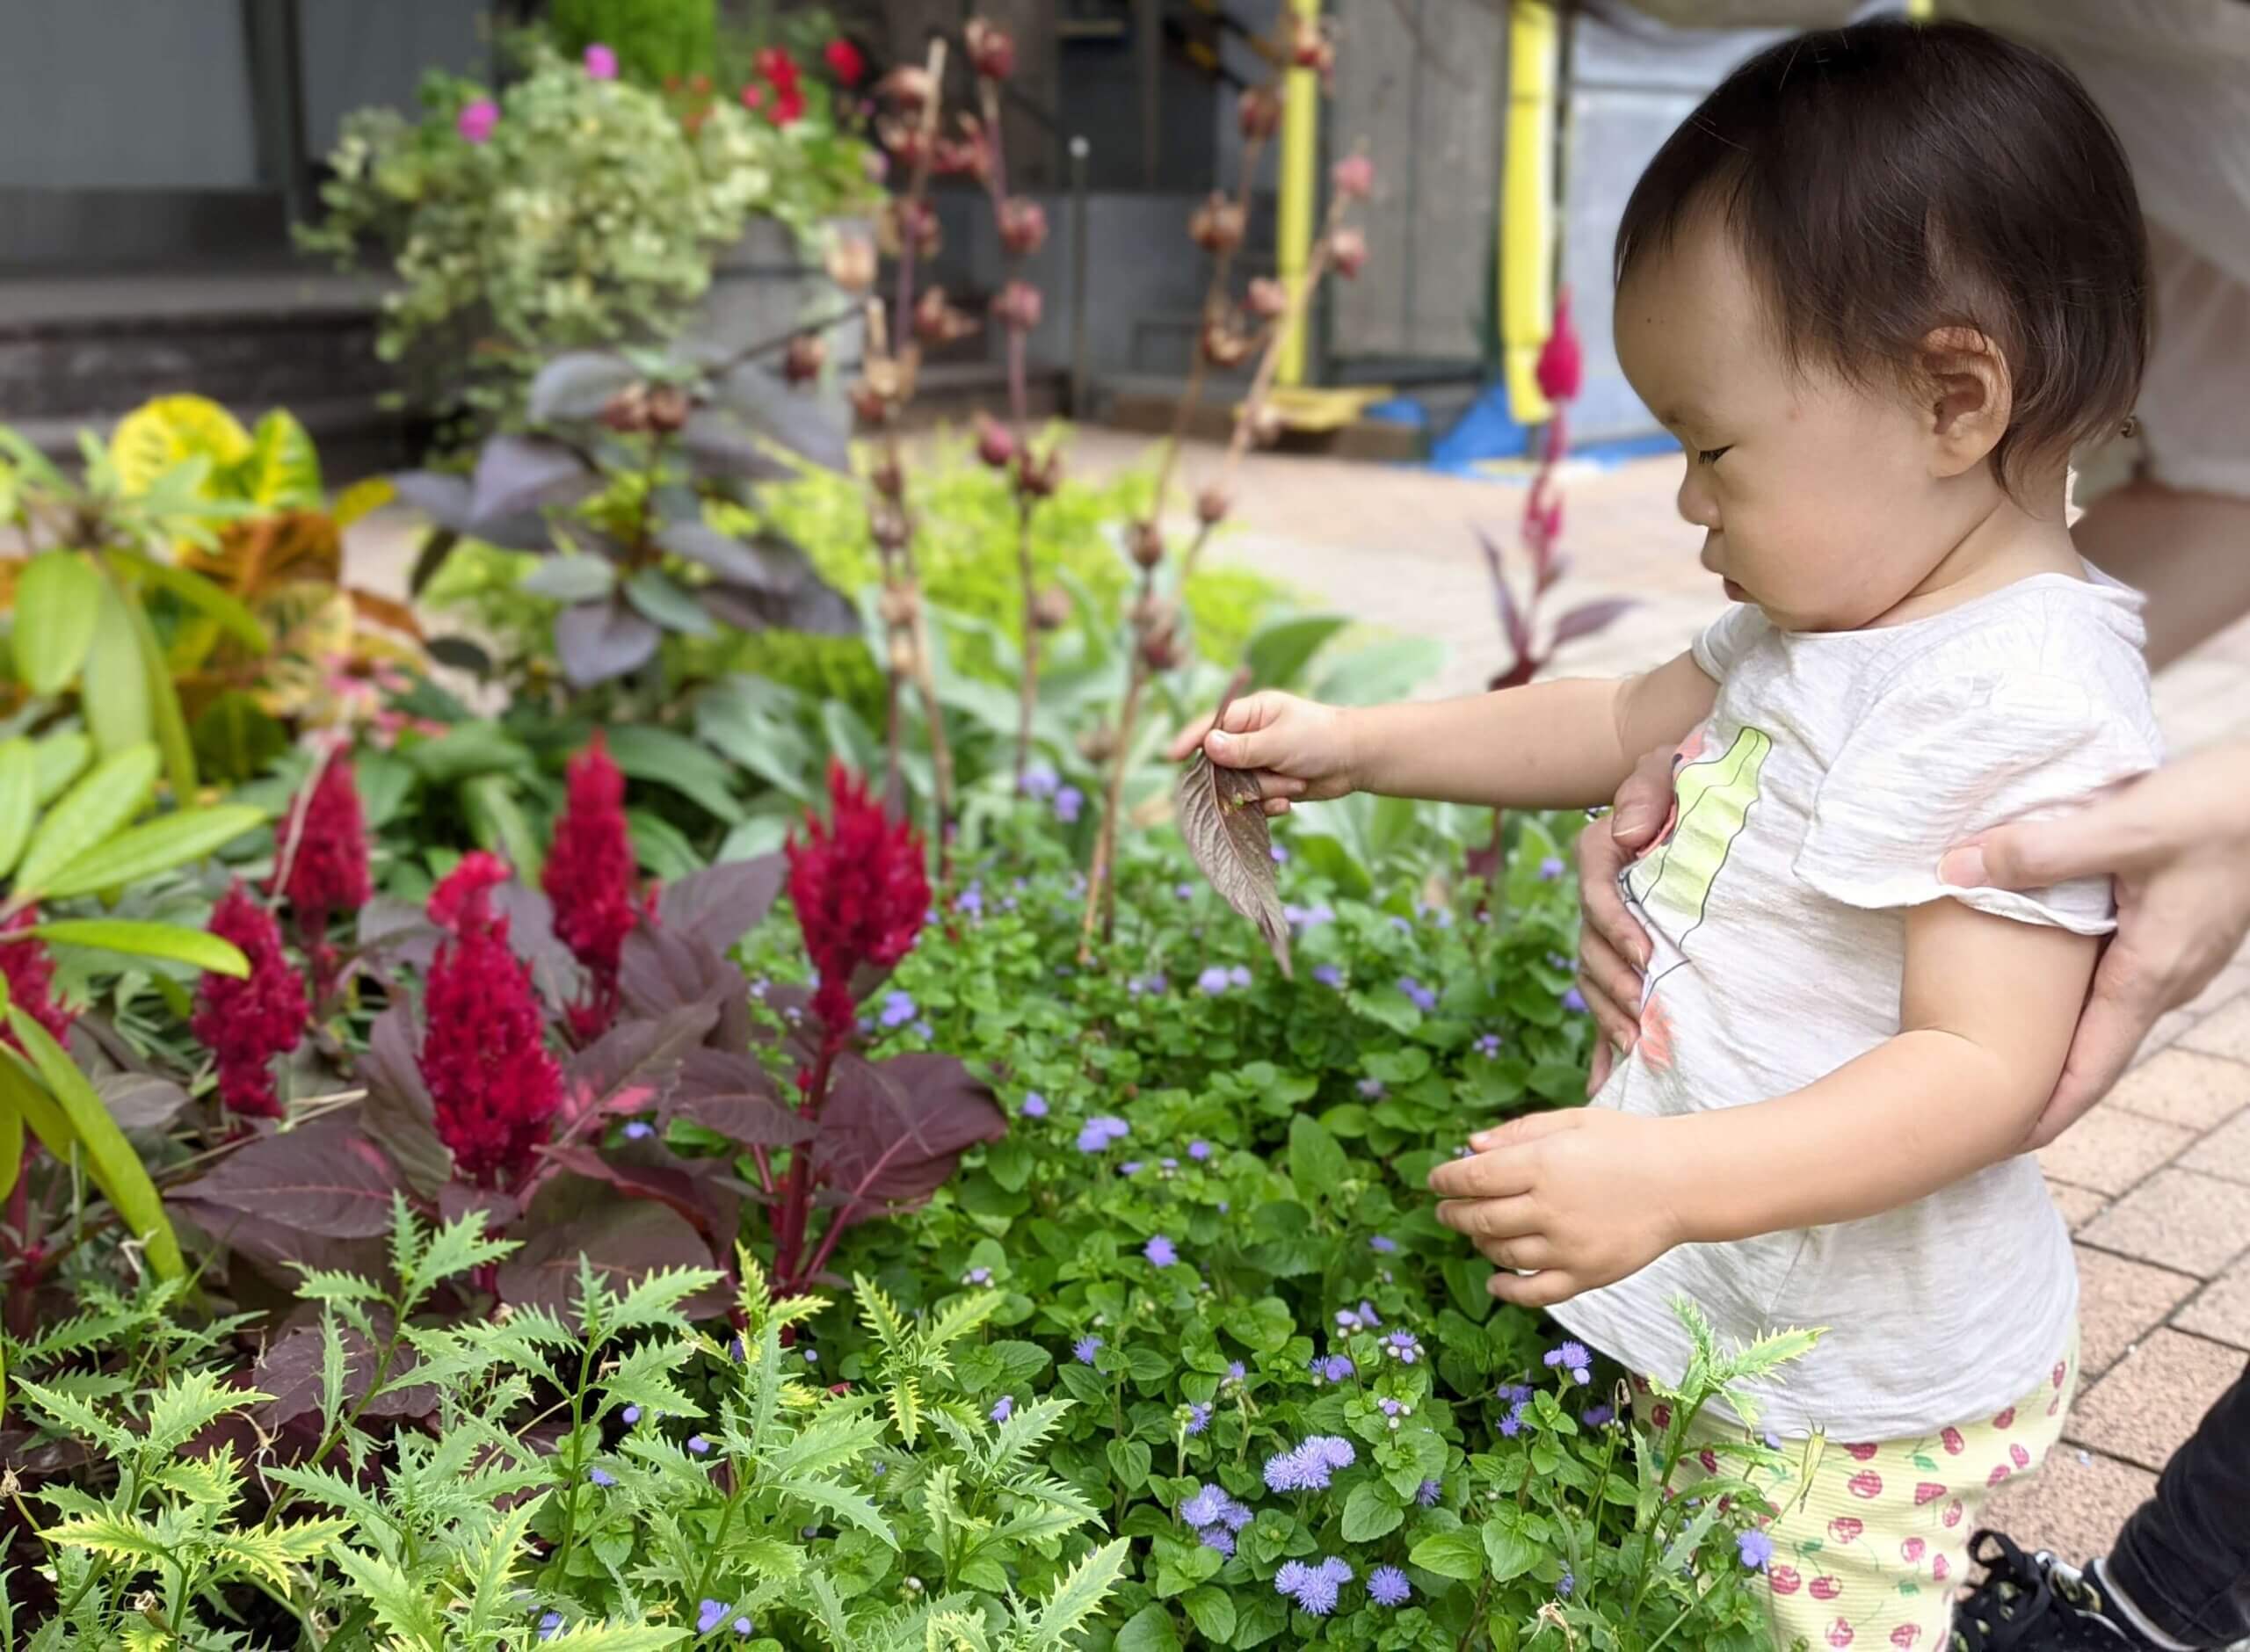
{"type": "Point", "coordinates": [11, 1146]}
{"type": "Point", "coordinates": [110, 1159]}
{"type": "Point", "coordinates": [219, 605]}
{"type": "Point", "coordinates": [88, 814]}
{"type": "Point", "coordinates": [361, 498]}
{"type": "Point", "coordinates": [158, 434]}
{"type": "Point", "coordinates": [153, 846]}
{"type": "Point", "coordinates": [281, 471]}
{"type": "Point", "coordinates": [18, 799]}
{"type": "Point", "coordinates": [55, 597]}
{"type": "Point", "coordinates": [123, 1539]}
{"type": "Point", "coordinates": [112, 687]}
{"type": "Point", "coordinates": [207, 952]}
{"type": "Point", "coordinates": [61, 758]}
{"type": "Point", "coordinates": [164, 704]}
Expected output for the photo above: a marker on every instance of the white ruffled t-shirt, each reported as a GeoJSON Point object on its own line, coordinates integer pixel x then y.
{"type": "Point", "coordinates": [1811, 811]}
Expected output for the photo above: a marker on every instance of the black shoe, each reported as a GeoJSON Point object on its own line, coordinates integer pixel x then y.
{"type": "Point", "coordinates": [2032, 1602]}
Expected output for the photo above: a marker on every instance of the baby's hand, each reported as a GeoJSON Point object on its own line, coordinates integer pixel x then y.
{"type": "Point", "coordinates": [1562, 1202]}
{"type": "Point", "coordinates": [1298, 746]}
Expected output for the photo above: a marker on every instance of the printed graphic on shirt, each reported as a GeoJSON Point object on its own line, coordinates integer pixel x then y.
{"type": "Point", "coordinates": [1669, 887]}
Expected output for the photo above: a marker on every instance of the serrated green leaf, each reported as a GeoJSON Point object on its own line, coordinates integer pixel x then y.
{"type": "Point", "coordinates": [123, 1538]}
{"type": "Point", "coordinates": [189, 1403]}
{"type": "Point", "coordinates": [271, 1554]}
{"type": "Point", "coordinates": [1079, 1595]}
{"type": "Point", "coordinates": [110, 1159]}
{"type": "Point", "coordinates": [394, 1597]}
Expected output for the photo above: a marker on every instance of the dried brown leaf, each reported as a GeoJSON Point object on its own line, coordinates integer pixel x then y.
{"type": "Point", "coordinates": [1220, 817]}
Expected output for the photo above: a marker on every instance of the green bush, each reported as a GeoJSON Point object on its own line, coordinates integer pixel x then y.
{"type": "Point", "coordinates": [655, 40]}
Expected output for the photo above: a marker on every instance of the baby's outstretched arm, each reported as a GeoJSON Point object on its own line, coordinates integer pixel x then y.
{"type": "Point", "coordinates": [1583, 1197]}
{"type": "Point", "coordinates": [1562, 744]}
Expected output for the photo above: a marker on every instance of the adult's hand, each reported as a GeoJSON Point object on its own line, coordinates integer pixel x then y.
{"type": "Point", "coordinates": [2177, 843]}
{"type": "Point", "coordinates": [1613, 947]}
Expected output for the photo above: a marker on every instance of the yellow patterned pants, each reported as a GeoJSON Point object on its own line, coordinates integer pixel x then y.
{"type": "Point", "coordinates": [1871, 1539]}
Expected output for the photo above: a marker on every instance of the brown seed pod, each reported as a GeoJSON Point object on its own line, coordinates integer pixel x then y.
{"type": "Point", "coordinates": [1050, 609]}
{"type": "Point", "coordinates": [995, 445]}
{"type": "Point", "coordinates": [897, 604]}
{"type": "Point", "coordinates": [1217, 225]}
{"type": "Point", "coordinates": [1259, 112]}
{"type": "Point", "coordinates": [1147, 544]}
{"type": "Point", "coordinates": [1039, 477]}
{"type": "Point", "coordinates": [1224, 346]}
{"type": "Point", "coordinates": [1213, 503]}
{"type": "Point", "coordinates": [1098, 744]}
{"type": "Point", "coordinates": [807, 351]}
{"type": "Point", "coordinates": [668, 408]}
{"type": "Point", "coordinates": [889, 481]}
{"type": "Point", "coordinates": [627, 410]}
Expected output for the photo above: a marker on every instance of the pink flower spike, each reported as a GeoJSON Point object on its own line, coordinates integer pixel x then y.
{"type": "Point", "coordinates": [476, 121]}
{"type": "Point", "coordinates": [601, 62]}
{"type": "Point", "coordinates": [1562, 361]}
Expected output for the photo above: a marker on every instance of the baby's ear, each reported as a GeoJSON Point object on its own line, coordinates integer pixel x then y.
{"type": "Point", "coordinates": [1964, 384]}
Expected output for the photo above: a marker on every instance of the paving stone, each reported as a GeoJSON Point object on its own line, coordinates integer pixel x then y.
{"type": "Point", "coordinates": [2224, 1031]}
{"type": "Point", "coordinates": [2184, 1088]}
{"type": "Point", "coordinates": [2224, 1152]}
{"type": "Point", "coordinates": [2153, 1399]}
{"type": "Point", "coordinates": [2120, 1302]}
{"type": "Point", "coordinates": [2221, 1313]}
{"type": "Point", "coordinates": [2178, 1219]}
{"type": "Point", "coordinates": [2073, 1505]}
{"type": "Point", "coordinates": [2110, 1151]}
{"type": "Point", "coordinates": [2079, 1205]}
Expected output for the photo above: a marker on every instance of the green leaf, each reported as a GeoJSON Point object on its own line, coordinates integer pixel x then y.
{"type": "Point", "coordinates": [660, 598]}
{"type": "Point", "coordinates": [18, 799]}
{"type": "Point", "coordinates": [1369, 1514]}
{"type": "Point", "coordinates": [282, 470]}
{"type": "Point", "coordinates": [1508, 1551]}
{"type": "Point", "coordinates": [163, 704]}
{"type": "Point", "coordinates": [498, 822]}
{"type": "Point", "coordinates": [57, 597]}
{"type": "Point", "coordinates": [207, 952]}
{"type": "Point", "coordinates": [111, 1161]}
{"type": "Point", "coordinates": [236, 739]}
{"type": "Point", "coordinates": [188, 1403]}
{"type": "Point", "coordinates": [1279, 652]}
{"type": "Point", "coordinates": [1148, 1630]}
{"type": "Point", "coordinates": [88, 814]}
{"type": "Point", "coordinates": [1317, 1163]}
{"type": "Point", "coordinates": [62, 758]}
{"type": "Point", "coordinates": [396, 1599]}
{"type": "Point", "coordinates": [618, 1637]}
{"type": "Point", "coordinates": [113, 685]}
{"type": "Point", "coordinates": [157, 845]}
{"type": "Point", "coordinates": [118, 1538]}
{"type": "Point", "coordinates": [1081, 1594]}
{"type": "Point", "coordinates": [1456, 1554]}
{"type": "Point", "coordinates": [213, 602]}
{"type": "Point", "coordinates": [658, 757]}
{"type": "Point", "coordinates": [1212, 1612]}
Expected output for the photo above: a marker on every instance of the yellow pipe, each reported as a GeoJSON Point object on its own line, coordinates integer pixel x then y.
{"type": "Point", "coordinates": [1527, 204]}
{"type": "Point", "coordinates": [1300, 182]}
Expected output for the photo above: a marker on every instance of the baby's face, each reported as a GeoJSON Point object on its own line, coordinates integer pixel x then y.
{"type": "Point", "coordinates": [1818, 498]}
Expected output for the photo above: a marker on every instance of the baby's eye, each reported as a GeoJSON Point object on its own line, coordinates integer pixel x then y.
{"type": "Point", "coordinates": [1712, 455]}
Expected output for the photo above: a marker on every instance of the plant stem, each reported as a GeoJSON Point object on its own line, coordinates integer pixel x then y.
{"type": "Point", "coordinates": [1028, 684]}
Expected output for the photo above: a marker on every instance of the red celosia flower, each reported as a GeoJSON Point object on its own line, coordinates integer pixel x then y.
{"type": "Point", "coordinates": [247, 1023]}
{"type": "Point", "coordinates": [493, 1087]}
{"type": "Point", "coordinates": [859, 892]}
{"type": "Point", "coordinates": [1562, 361]}
{"type": "Point", "coordinates": [326, 844]}
{"type": "Point", "coordinates": [590, 880]}
{"type": "Point", "coordinates": [845, 62]}
{"type": "Point", "coordinates": [30, 973]}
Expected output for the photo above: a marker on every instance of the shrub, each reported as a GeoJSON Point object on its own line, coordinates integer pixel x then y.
{"type": "Point", "coordinates": [655, 40]}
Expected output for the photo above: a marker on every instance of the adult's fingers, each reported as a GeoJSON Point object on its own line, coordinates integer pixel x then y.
{"type": "Point", "coordinates": [1603, 911]}
{"type": "Point", "coordinates": [1611, 988]}
{"type": "Point", "coordinates": [1605, 1062]}
{"type": "Point", "coordinates": [1485, 1219]}
{"type": "Point", "coordinates": [1643, 803]}
{"type": "Point", "coordinates": [2105, 837]}
{"type": "Point", "coordinates": [1542, 1289]}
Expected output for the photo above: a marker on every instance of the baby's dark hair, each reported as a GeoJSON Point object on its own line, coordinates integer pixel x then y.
{"type": "Point", "coordinates": [1889, 178]}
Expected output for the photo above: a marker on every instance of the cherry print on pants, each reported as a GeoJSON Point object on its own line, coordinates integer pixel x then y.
{"type": "Point", "coordinates": [1826, 1588]}
{"type": "Point", "coordinates": [1929, 1491]}
{"type": "Point", "coordinates": [1954, 1444]}
{"type": "Point", "coordinates": [1840, 1633]}
{"type": "Point", "coordinates": [1710, 1458]}
{"type": "Point", "coordinates": [1845, 1528]}
{"type": "Point", "coordinates": [2062, 1372]}
{"type": "Point", "coordinates": [2020, 1457]}
{"type": "Point", "coordinates": [1997, 1475]}
{"type": "Point", "coordinates": [2005, 1419]}
{"type": "Point", "coordinates": [1861, 1454]}
{"type": "Point", "coordinates": [1784, 1580]}
{"type": "Point", "coordinates": [1905, 1634]}
{"type": "Point", "coordinates": [1941, 1567]}
{"type": "Point", "coordinates": [1866, 1484]}
{"type": "Point", "coordinates": [1953, 1512]}
{"type": "Point", "coordinates": [1661, 1416]}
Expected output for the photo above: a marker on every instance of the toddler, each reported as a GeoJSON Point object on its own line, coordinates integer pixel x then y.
{"type": "Point", "coordinates": [1879, 285]}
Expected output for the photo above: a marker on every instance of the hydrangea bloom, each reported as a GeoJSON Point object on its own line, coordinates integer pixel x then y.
{"type": "Point", "coordinates": [1084, 1349]}
{"type": "Point", "coordinates": [245, 1024]}
{"type": "Point", "coordinates": [1387, 1586]}
{"type": "Point", "coordinates": [589, 878]}
{"type": "Point", "coordinates": [1571, 1357]}
{"type": "Point", "coordinates": [1160, 1252]}
{"type": "Point", "coordinates": [494, 1088]}
{"type": "Point", "coordinates": [859, 892]}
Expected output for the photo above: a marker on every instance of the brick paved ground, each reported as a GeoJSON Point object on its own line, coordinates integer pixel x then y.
{"type": "Point", "coordinates": [2155, 1184]}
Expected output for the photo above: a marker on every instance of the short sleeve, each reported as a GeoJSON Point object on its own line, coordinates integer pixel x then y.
{"type": "Point", "coordinates": [1727, 638]}
{"type": "Point", "coordinates": [1937, 761]}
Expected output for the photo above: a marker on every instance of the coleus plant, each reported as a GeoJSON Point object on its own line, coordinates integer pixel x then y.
{"type": "Point", "coordinates": [538, 1050]}
{"type": "Point", "coordinates": [609, 482]}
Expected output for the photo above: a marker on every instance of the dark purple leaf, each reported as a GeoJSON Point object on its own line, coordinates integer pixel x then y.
{"type": "Point", "coordinates": [730, 558]}
{"type": "Point", "coordinates": [1588, 618]}
{"type": "Point", "coordinates": [799, 422]}
{"type": "Point", "coordinates": [698, 1199]}
{"type": "Point", "coordinates": [598, 641]}
{"type": "Point", "coordinates": [324, 1179]}
{"type": "Point", "coordinates": [441, 496]}
{"type": "Point", "coordinates": [462, 654]}
{"type": "Point", "coordinates": [1512, 620]}
{"type": "Point", "coordinates": [721, 447]}
{"type": "Point", "coordinates": [291, 1370]}
{"type": "Point", "coordinates": [516, 474]}
{"type": "Point", "coordinates": [555, 971]}
{"type": "Point", "coordinates": [457, 1199]}
{"type": "Point", "coordinates": [721, 904]}
{"type": "Point", "coordinates": [731, 1094]}
{"type": "Point", "coordinates": [277, 1251]}
{"type": "Point", "coordinates": [622, 1239]}
{"type": "Point", "coordinates": [642, 1055]}
{"type": "Point", "coordinates": [142, 1103]}
{"type": "Point", "coordinates": [1223, 821]}
{"type": "Point", "coordinates": [396, 932]}
{"type": "Point", "coordinates": [578, 386]}
{"type": "Point", "coordinates": [662, 970]}
{"type": "Point", "coordinates": [571, 577]}
{"type": "Point", "coordinates": [398, 1113]}
{"type": "Point", "coordinates": [891, 1132]}
{"type": "Point", "coordinates": [663, 599]}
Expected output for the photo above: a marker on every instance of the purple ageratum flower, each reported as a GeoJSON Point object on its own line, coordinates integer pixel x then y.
{"type": "Point", "coordinates": [1387, 1586]}
{"type": "Point", "coordinates": [1217, 1537]}
{"type": "Point", "coordinates": [1489, 1046]}
{"type": "Point", "coordinates": [1372, 1089]}
{"type": "Point", "coordinates": [1096, 1135]}
{"type": "Point", "coordinates": [1755, 1548]}
{"type": "Point", "coordinates": [1565, 1583]}
{"type": "Point", "coordinates": [476, 121]}
{"type": "Point", "coordinates": [1238, 976]}
{"type": "Point", "coordinates": [744, 1626]}
{"type": "Point", "coordinates": [1391, 1407]}
{"type": "Point", "coordinates": [1333, 1450]}
{"type": "Point", "coordinates": [1382, 1244]}
{"type": "Point", "coordinates": [1035, 1106]}
{"type": "Point", "coordinates": [1199, 1417]}
{"type": "Point", "coordinates": [1290, 1578]}
{"type": "Point", "coordinates": [1130, 1167]}
{"type": "Point", "coordinates": [970, 900]}
{"type": "Point", "coordinates": [1295, 1470]}
{"type": "Point", "coordinates": [1773, 1441]}
{"type": "Point", "coordinates": [639, 1130]}
{"type": "Point", "coordinates": [632, 1414]}
{"type": "Point", "coordinates": [601, 1477]}
{"type": "Point", "coordinates": [698, 1445]}
{"type": "Point", "coordinates": [1199, 1149]}
{"type": "Point", "coordinates": [1512, 1424]}
{"type": "Point", "coordinates": [1281, 855]}
{"type": "Point", "coordinates": [1235, 1516]}
{"type": "Point", "coordinates": [1212, 981]}
{"type": "Point", "coordinates": [1183, 891]}
{"type": "Point", "coordinates": [550, 1625]}
{"type": "Point", "coordinates": [1428, 1492]}
{"type": "Point", "coordinates": [1207, 1507]}
{"type": "Point", "coordinates": [1069, 803]}
{"type": "Point", "coordinates": [1404, 1346]}
{"type": "Point", "coordinates": [1040, 781]}
{"type": "Point", "coordinates": [1596, 1415]}
{"type": "Point", "coordinates": [601, 62]}
{"type": "Point", "coordinates": [1335, 1368]}
{"type": "Point", "coordinates": [1574, 1001]}
{"type": "Point", "coordinates": [897, 1010]}
{"type": "Point", "coordinates": [1160, 1252]}
{"type": "Point", "coordinates": [1329, 976]}
{"type": "Point", "coordinates": [977, 1276]}
{"type": "Point", "coordinates": [1316, 1586]}
{"type": "Point", "coordinates": [1550, 869]}
{"type": "Point", "coordinates": [1571, 1357]}
{"type": "Point", "coordinates": [1004, 1408]}
{"type": "Point", "coordinates": [1516, 1393]}
{"type": "Point", "coordinates": [1084, 1349]}
{"type": "Point", "coordinates": [1421, 997]}
{"type": "Point", "coordinates": [1236, 1371]}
